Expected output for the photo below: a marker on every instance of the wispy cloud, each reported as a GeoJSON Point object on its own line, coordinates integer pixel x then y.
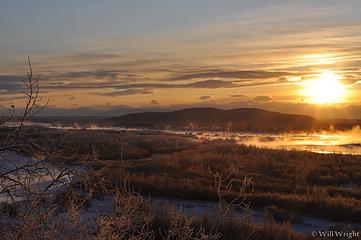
{"type": "Point", "coordinates": [262, 99]}
{"type": "Point", "coordinates": [213, 73]}
{"type": "Point", "coordinates": [205, 97]}
{"type": "Point", "coordinates": [127, 92]}
{"type": "Point", "coordinates": [10, 84]}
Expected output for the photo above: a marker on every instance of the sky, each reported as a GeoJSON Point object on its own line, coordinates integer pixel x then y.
{"type": "Point", "coordinates": [111, 57]}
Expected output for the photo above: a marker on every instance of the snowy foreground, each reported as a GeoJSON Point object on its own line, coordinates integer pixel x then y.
{"type": "Point", "coordinates": [42, 178]}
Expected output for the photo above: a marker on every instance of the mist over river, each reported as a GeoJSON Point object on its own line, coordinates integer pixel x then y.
{"type": "Point", "coordinates": [341, 142]}
{"type": "Point", "coordinates": [348, 142]}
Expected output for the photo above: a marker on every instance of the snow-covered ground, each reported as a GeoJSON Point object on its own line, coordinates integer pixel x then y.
{"type": "Point", "coordinates": [26, 174]}
{"type": "Point", "coordinates": [42, 175]}
{"type": "Point", "coordinates": [104, 206]}
{"type": "Point", "coordinates": [199, 208]}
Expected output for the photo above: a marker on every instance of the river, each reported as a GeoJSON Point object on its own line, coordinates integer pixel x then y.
{"type": "Point", "coordinates": [341, 142]}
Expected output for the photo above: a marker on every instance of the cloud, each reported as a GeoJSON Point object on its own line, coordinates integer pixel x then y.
{"type": "Point", "coordinates": [11, 83]}
{"type": "Point", "coordinates": [11, 99]}
{"type": "Point", "coordinates": [154, 102]}
{"type": "Point", "coordinates": [200, 84]}
{"type": "Point", "coordinates": [211, 84]}
{"type": "Point", "coordinates": [205, 97]}
{"type": "Point", "coordinates": [127, 92]}
{"type": "Point", "coordinates": [261, 83]}
{"type": "Point", "coordinates": [262, 99]}
{"type": "Point", "coordinates": [216, 73]}
{"type": "Point", "coordinates": [98, 74]}
{"type": "Point", "coordinates": [81, 85]}
{"type": "Point", "coordinates": [238, 96]}
{"type": "Point", "coordinates": [350, 79]}
{"type": "Point", "coordinates": [86, 56]}
{"type": "Point", "coordinates": [141, 78]}
{"type": "Point", "coordinates": [105, 84]}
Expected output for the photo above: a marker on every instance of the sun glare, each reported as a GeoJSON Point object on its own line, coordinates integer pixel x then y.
{"type": "Point", "coordinates": [325, 89]}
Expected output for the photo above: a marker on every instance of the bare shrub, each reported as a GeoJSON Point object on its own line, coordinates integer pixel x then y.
{"type": "Point", "coordinates": [181, 227]}
{"type": "Point", "coordinates": [130, 219]}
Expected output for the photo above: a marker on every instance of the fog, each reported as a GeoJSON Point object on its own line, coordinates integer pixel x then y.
{"type": "Point", "coordinates": [345, 142]}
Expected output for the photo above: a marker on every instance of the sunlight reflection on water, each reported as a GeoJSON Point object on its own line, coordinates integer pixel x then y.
{"type": "Point", "coordinates": [348, 142]}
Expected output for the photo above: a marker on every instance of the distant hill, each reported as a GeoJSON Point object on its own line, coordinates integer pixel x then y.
{"type": "Point", "coordinates": [251, 119]}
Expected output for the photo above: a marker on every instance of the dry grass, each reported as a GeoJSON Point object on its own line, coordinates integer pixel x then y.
{"type": "Point", "coordinates": [301, 182]}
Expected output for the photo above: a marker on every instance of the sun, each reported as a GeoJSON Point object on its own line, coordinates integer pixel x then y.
{"type": "Point", "coordinates": [327, 88]}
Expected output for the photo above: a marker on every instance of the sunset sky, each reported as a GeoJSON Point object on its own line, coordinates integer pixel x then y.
{"type": "Point", "coordinates": [111, 57]}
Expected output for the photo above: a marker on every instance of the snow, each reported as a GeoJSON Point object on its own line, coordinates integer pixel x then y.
{"type": "Point", "coordinates": [201, 208]}
{"type": "Point", "coordinates": [29, 175]}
